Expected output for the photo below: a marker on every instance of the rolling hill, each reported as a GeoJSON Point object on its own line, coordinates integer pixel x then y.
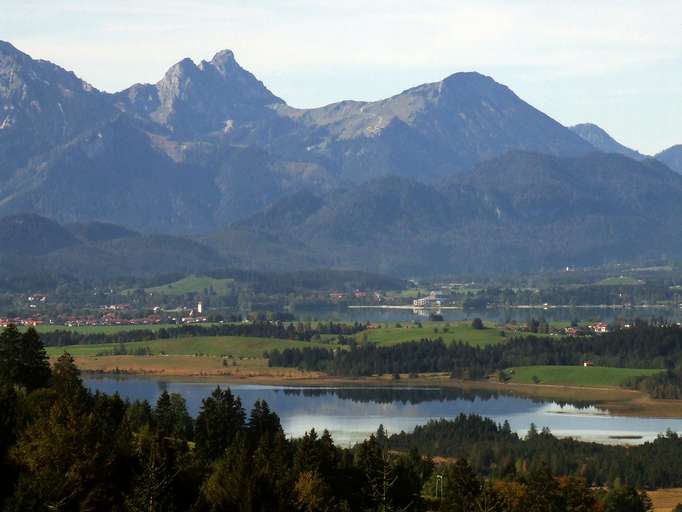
{"type": "Point", "coordinates": [520, 211]}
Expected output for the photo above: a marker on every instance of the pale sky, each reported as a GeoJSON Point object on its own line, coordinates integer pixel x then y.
{"type": "Point", "coordinates": [615, 63]}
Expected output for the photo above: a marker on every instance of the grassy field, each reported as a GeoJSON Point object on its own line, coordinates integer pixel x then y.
{"type": "Point", "coordinates": [664, 500]}
{"type": "Point", "coordinates": [236, 346]}
{"type": "Point", "coordinates": [193, 284]}
{"type": "Point", "coordinates": [449, 331]}
{"type": "Point", "coordinates": [620, 281]}
{"type": "Point", "coordinates": [575, 375]}
{"type": "Point", "coordinates": [254, 368]}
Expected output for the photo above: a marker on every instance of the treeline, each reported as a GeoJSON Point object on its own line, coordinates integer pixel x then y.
{"type": "Point", "coordinates": [649, 293]}
{"type": "Point", "coordinates": [664, 385]}
{"type": "Point", "coordinates": [642, 346]}
{"type": "Point", "coordinates": [260, 329]}
{"type": "Point", "coordinates": [65, 448]}
{"type": "Point", "coordinates": [122, 350]}
{"type": "Point", "coordinates": [496, 452]}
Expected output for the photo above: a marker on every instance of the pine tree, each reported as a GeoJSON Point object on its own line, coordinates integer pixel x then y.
{"type": "Point", "coordinates": [220, 420]}
{"type": "Point", "coordinates": [262, 421]}
{"type": "Point", "coordinates": [461, 487]}
{"type": "Point", "coordinates": [23, 360]}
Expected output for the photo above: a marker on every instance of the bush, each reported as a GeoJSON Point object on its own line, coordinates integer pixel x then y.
{"type": "Point", "coordinates": [477, 323]}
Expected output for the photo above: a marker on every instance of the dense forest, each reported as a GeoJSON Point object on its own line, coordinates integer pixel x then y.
{"type": "Point", "coordinates": [495, 451]}
{"type": "Point", "coordinates": [583, 294]}
{"type": "Point", "coordinates": [65, 448]}
{"type": "Point", "coordinates": [643, 345]}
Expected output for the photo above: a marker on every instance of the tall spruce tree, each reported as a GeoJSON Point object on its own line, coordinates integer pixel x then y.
{"type": "Point", "coordinates": [220, 420]}
{"type": "Point", "coordinates": [23, 360]}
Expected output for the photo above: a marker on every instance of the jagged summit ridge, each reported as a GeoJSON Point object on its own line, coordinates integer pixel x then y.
{"type": "Point", "coordinates": [211, 144]}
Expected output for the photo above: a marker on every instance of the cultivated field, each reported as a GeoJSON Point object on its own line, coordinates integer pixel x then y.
{"type": "Point", "coordinates": [664, 500]}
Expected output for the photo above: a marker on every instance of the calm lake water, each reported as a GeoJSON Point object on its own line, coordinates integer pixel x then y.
{"type": "Point", "coordinates": [352, 413]}
{"type": "Point", "coordinates": [345, 314]}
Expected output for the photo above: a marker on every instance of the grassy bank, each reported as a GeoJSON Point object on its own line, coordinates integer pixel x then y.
{"type": "Point", "coordinates": [593, 376]}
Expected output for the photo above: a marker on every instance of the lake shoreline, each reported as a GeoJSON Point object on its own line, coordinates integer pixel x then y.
{"type": "Point", "coordinates": [615, 400]}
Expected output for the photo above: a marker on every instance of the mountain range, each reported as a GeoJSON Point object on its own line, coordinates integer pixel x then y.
{"type": "Point", "coordinates": [458, 175]}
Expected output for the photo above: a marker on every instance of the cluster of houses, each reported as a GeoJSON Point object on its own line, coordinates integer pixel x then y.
{"type": "Point", "coordinates": [28, 322]}
{"type": "Point", "coordinates": [111, 316]}
{"type": "Point", "coordinates": [593, 328]}
{"type": "Point", "coordinates": [357, 294]}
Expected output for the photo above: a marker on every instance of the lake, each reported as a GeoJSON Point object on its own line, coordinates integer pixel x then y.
{"type": "Point", "coordinates": [352, 413]}
{"type": "Point", "coordinates": [493, 314]}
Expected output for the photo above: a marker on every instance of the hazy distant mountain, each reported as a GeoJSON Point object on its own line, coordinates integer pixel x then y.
{"type": "Point", "coordinates": [190, 100]}
{"type": "Point", "coordinates": [209, 144]}
{"type": "Point", "coordinates": [425, 132]}
{"type": "Point", "coordinates": [459, 175]}
{"type": "Point", "coordinates": [519, 211]}
{"type": "Point", "coordinates": [31, 234]}
{"type": "Point", "coordinates": [603, 141]}
{"type": "Point", "coordinates": [672, 157]}
{"type": "Point", "coordinates": [30, 244]}
{"type": "Point", "coordinates": [41, 106]}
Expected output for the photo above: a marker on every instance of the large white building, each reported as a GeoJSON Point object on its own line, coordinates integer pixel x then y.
{"type": "Point", "coordinates": [428, 301]}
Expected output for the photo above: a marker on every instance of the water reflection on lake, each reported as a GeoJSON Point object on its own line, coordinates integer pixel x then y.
{"type": "Point", "coordinates": [352, 413]}
{"type": "Point", "coordinates": [498, 315]}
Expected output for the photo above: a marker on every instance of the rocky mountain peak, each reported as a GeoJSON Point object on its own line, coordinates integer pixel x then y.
{"type": "Point", "coordinates": [179, 71]}
{"type": "Point", "coordinates": [225, 62]}
{"type": "Point", "coordinates": [8, 49]}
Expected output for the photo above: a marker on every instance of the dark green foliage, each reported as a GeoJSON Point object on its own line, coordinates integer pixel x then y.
{"type": "Point", "coordinates": [67, 381]}
{"type": "Point", "coordinates": [65, 448]}
{"type": "Point", "coordinates": [73, 456]}
{"type": "Point", "coordinates": [495, 451]}
{"type": "Point", "coordinates": [642, 346]}
{"type": "Point", "coordinates": [258, 329]}
{"type": "Point", "coordinates": [626, 499]}
{"type": "Point", "coordinates": [171, 417]}
{"type": "Point", "coordinates": [461, 487]}
{"type": "Point", "coordinates": [667, 385]}
{"type": "Point", "coordinates": [23, 360]}
{"type": "Point", "coordinates": [220, 420]}
{"type": "Point", "coordinates": [477, 323]}
{"type": "Point", "coordinates": [8, 433]}
{"type": "Point", "coordinates": [263, 422]}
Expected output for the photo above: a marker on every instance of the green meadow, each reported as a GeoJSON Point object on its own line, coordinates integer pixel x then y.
{"type": "Point", "coordinates": [452, 331]}
{"type": "Point", "coordinates": [192, 284]}
{"type": "Point", "coordinates": [575, 375]}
